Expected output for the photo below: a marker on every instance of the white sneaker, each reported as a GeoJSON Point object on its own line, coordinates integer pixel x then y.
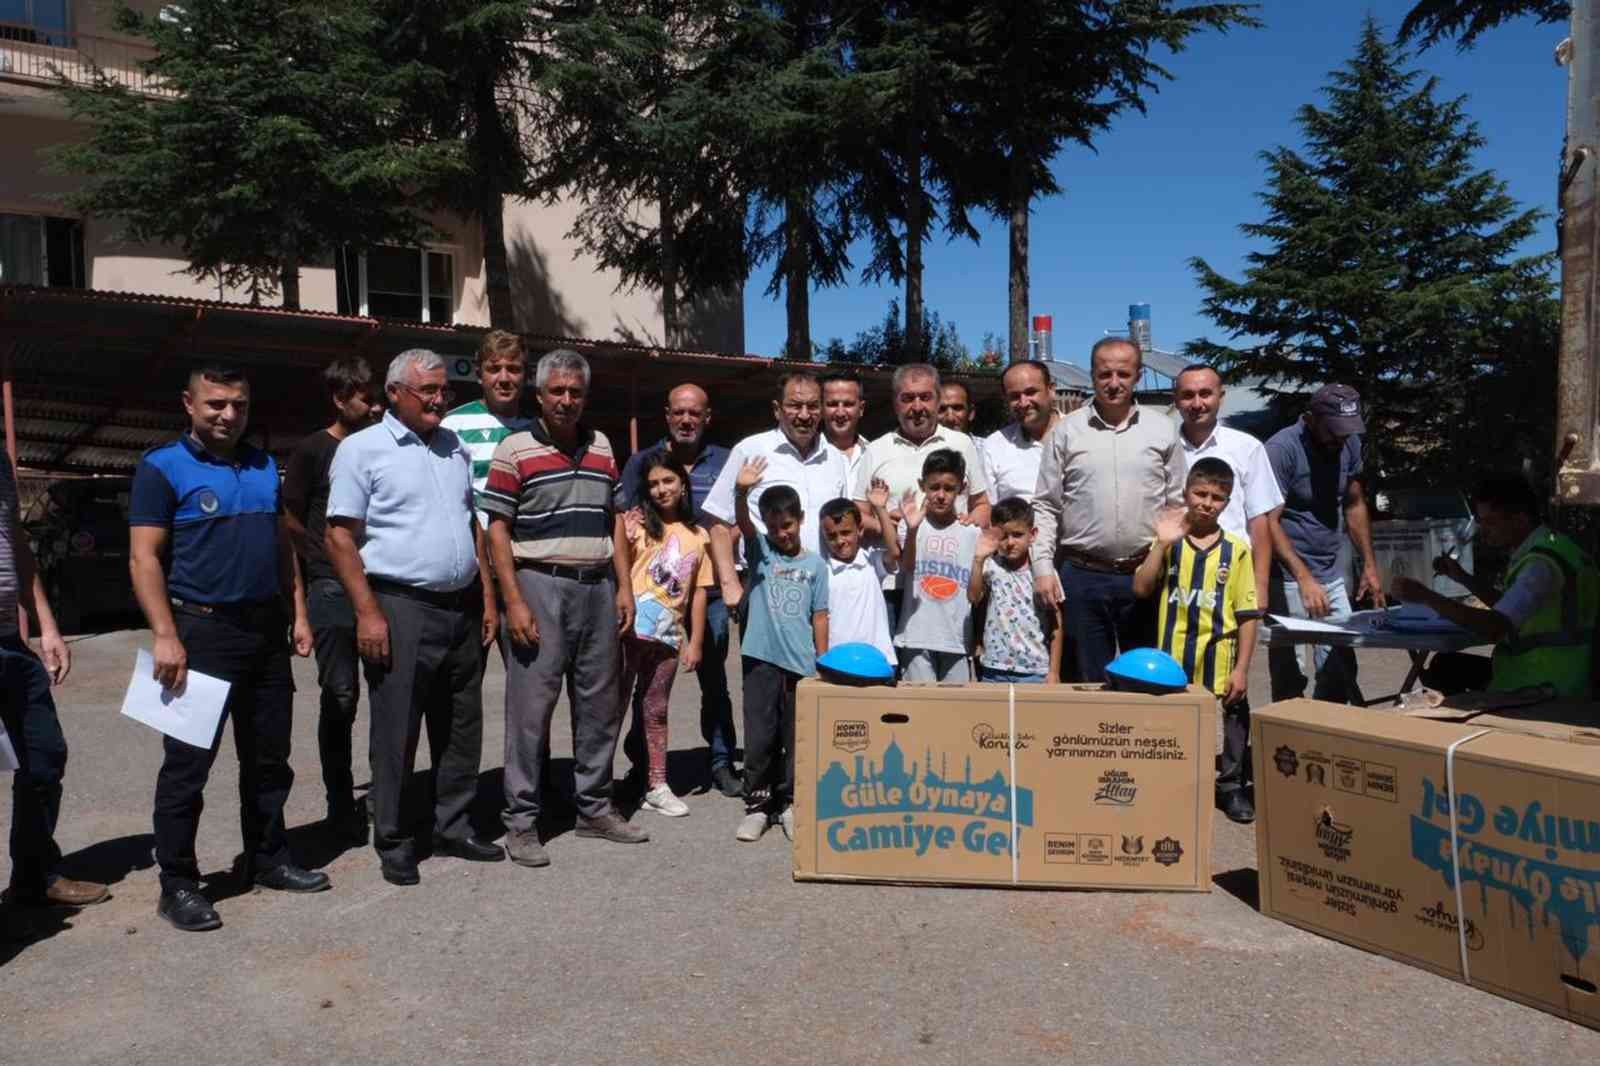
{"type": "Point", "coordinates": [754, 824]}
{"type": "Point", "coordinates": [661, 800]}
{"type": "Point", "coordinates": [786, 819]}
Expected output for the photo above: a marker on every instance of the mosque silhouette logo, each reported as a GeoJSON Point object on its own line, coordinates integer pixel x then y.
{"type": "Point", "coordinates": [888, 788]}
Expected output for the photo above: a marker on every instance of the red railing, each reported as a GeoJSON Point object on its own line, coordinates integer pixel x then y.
{"type": "Point", "coordinates": [43, 56]}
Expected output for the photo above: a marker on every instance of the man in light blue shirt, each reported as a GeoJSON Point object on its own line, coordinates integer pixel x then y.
{"type": "Point", "coordinates": [402, 538]}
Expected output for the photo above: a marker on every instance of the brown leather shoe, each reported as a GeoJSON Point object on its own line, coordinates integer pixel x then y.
{"type": "Point", "coordinates": [60, 892]}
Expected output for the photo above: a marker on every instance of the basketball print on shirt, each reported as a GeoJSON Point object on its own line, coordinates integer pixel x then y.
{"type": "Point", "coordinates": [940, 573]}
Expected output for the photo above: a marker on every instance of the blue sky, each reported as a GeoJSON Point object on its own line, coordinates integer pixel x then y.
{"type": "Point", "coordinates": [1177, 182]}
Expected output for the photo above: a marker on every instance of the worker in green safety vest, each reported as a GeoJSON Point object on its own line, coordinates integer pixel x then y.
{"type": "Point", "coordinates": [1541, 619]}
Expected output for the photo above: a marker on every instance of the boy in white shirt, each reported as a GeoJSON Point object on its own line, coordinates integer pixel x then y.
{"type": "Point", "coordinates": [856, 611]}
{"type": "Point", "coordinates": [935, 628]}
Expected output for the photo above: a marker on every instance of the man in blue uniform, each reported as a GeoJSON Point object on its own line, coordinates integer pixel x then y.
{"type": "Point", "coordinates": [209, 505]}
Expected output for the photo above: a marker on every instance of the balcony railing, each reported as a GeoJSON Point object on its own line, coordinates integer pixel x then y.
{"type": "Point", "coordinates": [43, 56]}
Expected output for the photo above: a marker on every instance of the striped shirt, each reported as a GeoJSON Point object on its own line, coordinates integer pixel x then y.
{"type": "Point", "coordinates": [10, 530]}
{"type": "Point", "coordinates": [1200, 595]}
{"type": "Point", "coordinates": [562, 505]}
{"type": "Point", "coordinates": [481, 433]}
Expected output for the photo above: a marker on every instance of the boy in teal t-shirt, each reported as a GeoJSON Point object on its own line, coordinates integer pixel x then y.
{"type": "Point", "coordinates": [786, 628]}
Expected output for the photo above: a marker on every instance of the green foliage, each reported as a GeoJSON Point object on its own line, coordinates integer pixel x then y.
{"type": "Point", "coordinates": [886, 344]}
{"type": "Point", "coordinates": [1391, 265]}
{"type": "Point", "coordinates": [1465, 21]}
{"type": "Point", "coordinates": [287, 138]}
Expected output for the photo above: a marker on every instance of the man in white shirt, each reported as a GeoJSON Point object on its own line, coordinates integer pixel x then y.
{"type": "Point", "coordinates": [1198, 393]}
{"type": "Point", "coordinates": [796, 456]}
{"type": "Point", "coordinates": [842, 408]}
{"type": "Point", "coordinates": [1011, 453]}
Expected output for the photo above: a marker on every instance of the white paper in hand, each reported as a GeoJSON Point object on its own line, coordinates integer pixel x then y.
{"type": "Point", "coordinates": [190, 716]}
{"type": "Point", "coordinates": [8, 754]}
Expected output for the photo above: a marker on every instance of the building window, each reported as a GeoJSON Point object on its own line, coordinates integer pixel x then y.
{"type": "Point", "coordinates": [36, 21]}
{"type": "Point", "coordinates": [37, 250]}
{"type": "Point", "coordinates": [414, 284]}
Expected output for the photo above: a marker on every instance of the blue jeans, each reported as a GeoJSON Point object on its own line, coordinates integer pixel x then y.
{"type": "Point", "coordinates": [716, 707]}
{"type": "Point", "coordinates": [29, 713]}
{"type": "Point", "coordinates": [1105, 618]}
{"type": "Point", "coordinates": [1010, 677]}
{"type": "Point", "coordinates": [1335, 667]}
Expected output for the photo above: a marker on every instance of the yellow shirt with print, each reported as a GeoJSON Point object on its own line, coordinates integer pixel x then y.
{"type": "Point", "coordinates": [1202, 592]}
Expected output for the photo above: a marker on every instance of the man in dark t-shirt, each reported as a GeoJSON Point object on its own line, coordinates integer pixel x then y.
{"type": "Point", "coordinates": [356, 404]}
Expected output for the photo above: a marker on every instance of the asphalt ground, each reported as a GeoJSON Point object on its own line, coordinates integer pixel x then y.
{"type": "Point", "coordinates": [691, 948]}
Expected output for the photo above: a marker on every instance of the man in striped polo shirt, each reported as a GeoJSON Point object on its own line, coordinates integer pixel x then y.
{"type": "Point", "coordinates": [483, 424]}
{"type": "Point", "coordinates": [562, 565]}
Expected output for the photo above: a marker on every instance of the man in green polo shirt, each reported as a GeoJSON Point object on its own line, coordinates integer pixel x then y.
{"type": "Point", "coordinates": [1541, 620]}
{"type": "Point", "coordinates": [483, 424]}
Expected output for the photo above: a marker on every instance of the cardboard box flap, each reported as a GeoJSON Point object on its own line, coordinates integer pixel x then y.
{"type": "Point", "coordinates": [1358, 722]}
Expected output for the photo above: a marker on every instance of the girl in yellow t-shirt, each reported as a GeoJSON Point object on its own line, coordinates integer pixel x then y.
{"type": "Point", "coordinates": [671, 573]}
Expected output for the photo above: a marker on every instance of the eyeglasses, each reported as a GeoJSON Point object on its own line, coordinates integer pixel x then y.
{"type": "Point", "coordinates": [803, 408]}
{"type": "Point", "coordinates": [430, 393]}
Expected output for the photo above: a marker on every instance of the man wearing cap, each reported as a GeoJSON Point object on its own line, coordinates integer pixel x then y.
{"type": "Point", "coordinates": [1107, 469]}
{"type": "Point", "coordinates": [1317, 462]}
{"type": "Point", "coordinates": [1197, 393]}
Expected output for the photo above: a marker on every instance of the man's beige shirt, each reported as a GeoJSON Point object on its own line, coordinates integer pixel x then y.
{"type": "Point", "coordinates": [1100, 485]}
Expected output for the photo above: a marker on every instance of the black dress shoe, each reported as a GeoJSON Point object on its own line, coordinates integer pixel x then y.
{"type": "Point", "coordinates": [399, 871]}
{"type": "Point", "coordinates": [728, 783]}
{"type": "Point", "coordinates": [1237, 806]}
{"type": "Point", "coordinates": [188, 910]}
{"type": "Point", "coordinates": [290, 878]}
{"type": "Point", "coordinates": [470, 848]}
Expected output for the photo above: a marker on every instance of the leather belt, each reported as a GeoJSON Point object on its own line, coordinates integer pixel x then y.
{"type": "Point", "coordinates": [247, 609]}
{"type": "Point", "coordinates": [1089, 561]}
{"type": "Point", "coordinates": [584, 575]}
{"type": "Point", "coordinates": [460, 599]}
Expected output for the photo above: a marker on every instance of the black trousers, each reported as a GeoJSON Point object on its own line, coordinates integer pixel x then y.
{"type": "Point", "coordinates": [250, 650]}
{"type": "Point", "coordinates": [435, 676]}
{"type": "Point", "coordinates": [768, 735]}
{"type": "Point", "coordinates": [29, 714]}
{"type": "Point", "coordinates": [333, 631]}
{"type": "Point", "coordinates": [1233, 765]}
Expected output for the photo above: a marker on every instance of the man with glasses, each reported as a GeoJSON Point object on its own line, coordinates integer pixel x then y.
{"type": "Point", "coordinates": [403, 541]}
{"type": "Point", "coordinates": [796, 456]}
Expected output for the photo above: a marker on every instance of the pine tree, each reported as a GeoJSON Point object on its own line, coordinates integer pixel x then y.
{"type": "Point", "coordinates": [1045, 73]}
{"type": "Point", "coordinates": [632, 111]}
{"type": "Point", "coordinates": [1391, 264]}
{"type": "Point", "coordinates": [278, 145]}
{"type": "Point", "coordinates": [1467, 20]}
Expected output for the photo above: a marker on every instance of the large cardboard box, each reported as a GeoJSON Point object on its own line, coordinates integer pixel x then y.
{"type": "Point", "coordinates": [924, 784]}
{"type": "Point", "coordinates": [1465, 849]}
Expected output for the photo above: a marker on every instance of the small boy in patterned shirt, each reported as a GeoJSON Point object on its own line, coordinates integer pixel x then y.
{"type": "Point", "coordinates": [1021, 639]}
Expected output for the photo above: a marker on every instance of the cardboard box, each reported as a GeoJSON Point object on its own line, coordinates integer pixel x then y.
{"type": "Point", "coordinates": [923, 784]}
{"type": "Point", "coordinates": [1407, 548]}
{"type": "Point", "coordinates": [1464, 849]}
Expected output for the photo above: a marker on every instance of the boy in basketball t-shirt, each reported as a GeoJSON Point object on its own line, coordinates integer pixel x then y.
{"type": "Point", "coordinates": [934, 635]}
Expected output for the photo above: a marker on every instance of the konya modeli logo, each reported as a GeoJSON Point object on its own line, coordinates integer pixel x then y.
{"type": "Point", "coordinates": [1116, 788]}
{"type": "Point", "coordinates": [1287, 762]}
{"type": "Point", "coordinates": [987, 738]}
{"type": "Point", "coordinates": [850, 736]}
{"type": "Point", "coordinates": [1167, 851]}
{"type": "Point", "coordinates": [1439, 917]}
{"type": "Point", "coordinates": [1333, 837]}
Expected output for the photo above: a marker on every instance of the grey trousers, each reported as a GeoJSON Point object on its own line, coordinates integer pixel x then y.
{"type": "Point", "coordinates": [577, 636]}
{"type": "Point", "coordinates": [435, 676]}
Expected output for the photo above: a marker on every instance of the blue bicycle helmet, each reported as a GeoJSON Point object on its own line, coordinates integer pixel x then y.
{"type": "Point", "coordinates": [1146, 670]}
{"type": "Point", "coordinates": [855, 664]}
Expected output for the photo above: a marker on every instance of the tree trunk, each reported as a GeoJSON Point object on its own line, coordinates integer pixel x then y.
{"type": "Point", "coordinates": [670, 326]}
{"type": "Point", "coordinates": [796, 280]}
{"type": "Point", "coordinates": [489, 138]}
{"type": "Point", "coordinates": [916, 226]}
{"type": "Point", "coordinates": [1020, 193]}
{"type": "Point", "coordinates": [289, 283]}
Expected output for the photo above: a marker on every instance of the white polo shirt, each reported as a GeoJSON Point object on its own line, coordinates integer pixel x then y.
{"type": "Point", "coordinates": [1255, 487]}
{"type": "Point", "coordinates": [818, 478]}
{"type": "Point", "coordinates": [853, 459]}
{"type": "Point", "coordinates": [899, 462]}
{"type": "Point", "coordinates": [856, 611]}
{"type": "Point", "coordinates": [1011, 462]}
